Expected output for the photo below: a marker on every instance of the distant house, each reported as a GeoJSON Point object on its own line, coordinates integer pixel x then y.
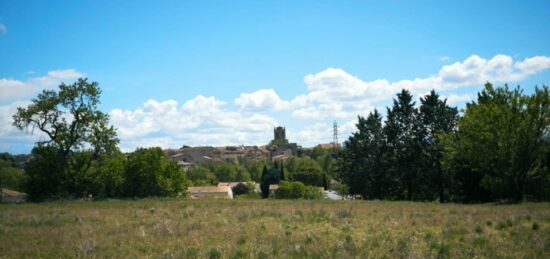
{"type": "Point", "coordinates": [12, 196]}
{"type": "Point", "coordinates": [273, 188]}
{"type": "Point", "coordinates": [215, 192]}
{"type": "Point", "coordinates": [185, 165]}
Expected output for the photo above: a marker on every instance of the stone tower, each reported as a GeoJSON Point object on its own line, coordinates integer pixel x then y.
{"type": "Point", "coordinates": [279, 136]}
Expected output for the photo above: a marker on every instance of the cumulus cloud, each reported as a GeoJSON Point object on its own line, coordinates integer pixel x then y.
{"type": "Point", "coordinates": [331, 94]}
{"type": "Point", "coordinates": [334, 93]}
{"type": "Point", "coordinates": [263, 99]}
{"type": "Point", "coordinates": [11, 89]}
{"type": "Point", "coordinates": [3, 28]}
{"type": "Point", "coordinates": [199, 121]}
{"type": "Point", "coordinates": [10, 137]}
{"type": "Point", "coordinates": [459, 99]}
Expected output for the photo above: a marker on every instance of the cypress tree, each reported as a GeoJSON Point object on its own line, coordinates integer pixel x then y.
{"type": "Point", "coordinates": [264, 184]}
{"type": "Point", "coordinates": [282, 172]}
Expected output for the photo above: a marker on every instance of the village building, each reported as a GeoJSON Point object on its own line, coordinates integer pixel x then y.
{"type": "Point", "coordinates": [12, 196]}
{"type": "Point", "coordinates": [213, 192]}
{"type": "Point", "coordinates": [278, 149]}
{"type": "Point", "coordinates": [273, 188]}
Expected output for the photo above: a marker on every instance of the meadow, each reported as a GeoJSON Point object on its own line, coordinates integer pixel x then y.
{"type": "Point", "coordinates": [175, 228]}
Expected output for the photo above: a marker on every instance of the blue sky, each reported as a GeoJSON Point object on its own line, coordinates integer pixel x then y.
{"type": "Point", "coordinates": [226, 72]}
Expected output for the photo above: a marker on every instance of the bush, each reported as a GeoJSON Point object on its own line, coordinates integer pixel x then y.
{"type": "Point", "coordinates": [149, 173]}
{"type": "Point", "coordinates": [240, 189]}
{"type": "Point", "coordinates": [308, 171]}
{"type": "Point", "coordinates": [297, 190]}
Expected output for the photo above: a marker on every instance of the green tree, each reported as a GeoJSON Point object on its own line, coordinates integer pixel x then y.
{"type": "Point", "coordinates": [297, 190]}
{"type": "Point", "coordinates": [72, 123]}
{"type": "Point", "coordinates": [70, 118]}
{"type": "Point", "coordinates": [361, 164]}
{"type": "Point", "coordinates": [309, 172]}
{"type": "Point", "coordinates": [504, 135]}
{"type": "Point", "coordinates": [265, 182]}
{"type": "Point", "coordinates": [149, 173]}
{"type": "Point", "coordinates": [282, 171]}
{"type": "Point", "coordinates": [10, 176]}
{"type": "Point", "coordinates": [226, 172]}
{"type": "Point", "coordinates": [317, 152]}
{"type": "Point", "coordinates": [46, 174]}
{"type": "Point", "coordinates": [242, 175]}
{"type": "Point", "coordinates": [201, 176]}
{"type": "Point", "coordinates": [404, 142]}
{"type": "Point", "coordinates": [437, 119]}
{"type": "Point", "coordinates": [254, 168]}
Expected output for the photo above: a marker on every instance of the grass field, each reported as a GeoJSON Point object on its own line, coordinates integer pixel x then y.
{"type": "Point", "coordinates": [175, 228]}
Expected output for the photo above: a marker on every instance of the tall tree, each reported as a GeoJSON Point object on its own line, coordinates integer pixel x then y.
{"type": "Point", "coordinates": [149, 173]}
{"type": "Point", "coordinates": [282, 172]}
{"type": "Point", "coordinates": [70, 119]}
{"type": "Point", "coordinates": [404, 139]}
{"type": "Point", "coordinates": [437, 118]}
{"type": "Point", "coordinates": [265, 182]}
{"type": "Point", "coordinates": [361, 164]}
{"type": "Point", "coordinates": [71, 122]}
{"type": "Point", "coordinates": [504, 134]}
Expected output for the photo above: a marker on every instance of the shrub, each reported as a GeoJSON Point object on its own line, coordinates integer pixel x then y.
{"type": "Point", "coordinates": [535, 226]}
{"type": "Point", "coordinates": [240, 189]}
{"type": "Point", "coordinates": [297, 190]}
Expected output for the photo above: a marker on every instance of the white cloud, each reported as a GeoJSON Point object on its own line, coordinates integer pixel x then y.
{"type": "Point", "coordinates": [331, 94]}
{"type": "Point", "coordinates": [12, 138]}
{"type": "Point", "coordinates": [3, 28]}
{"type": "Point", "coordinates": [11, 89]}
{"type": "Point", "coordinates": [334, 93]}
{"type": "Point", "coordinates": [263, 99]}
{"type": "Point", "coordinates": [199, 121]}
{"type": "Point", "coordinates": [459, 99]}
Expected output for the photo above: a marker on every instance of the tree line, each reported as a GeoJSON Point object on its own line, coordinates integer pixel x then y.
{"type": "Point", "coordinates": [78, 156]}
{"type": "Point", "coordinates": [497, 148]}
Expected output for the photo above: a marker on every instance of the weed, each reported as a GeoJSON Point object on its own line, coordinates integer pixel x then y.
{"type": "Point", "coordinates": [478, 229]}
{"type": "Point", "coordinates": [535, 226]}
{"type": "Point", "coordinates": [273, 229]}
{"type": "Point", "coordinates": [343, 214]}
{"type": "Point", "coordinates": [214, 253]}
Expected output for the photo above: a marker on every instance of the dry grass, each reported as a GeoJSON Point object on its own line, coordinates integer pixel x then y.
{"type": "Point", "coordinates": [273, 229]}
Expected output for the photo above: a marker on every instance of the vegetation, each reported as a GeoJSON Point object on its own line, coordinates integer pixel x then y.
{"type": "Point", "coordinates": [80, 157]}
{"type": "Point", "coordinates": [499, 149]}
{"type": "Point", "coordinates": [11, 177]}
{"type": "Point", "coordinates": [149, 173]}
{"type": "Point", "coordinates": [176, 228]}
{"type": "Point", "coordinates": [297, 190]}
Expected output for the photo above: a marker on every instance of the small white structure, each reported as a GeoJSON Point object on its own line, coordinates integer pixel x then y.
{"type": "Point", "coordinates": [215, 192]}
{"type": "Point", "coordinates": [12, 196]}
{"type": "Point", "coordinates": [185, 165]}
{"type": "Point", "coordinates": [273, 188]}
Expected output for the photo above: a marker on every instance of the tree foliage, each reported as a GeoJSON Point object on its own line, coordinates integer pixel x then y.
{"type": "Point", "coordinates": [498, 149]}
{"type": "Point", "coordinates": [11, 177]}
{"type": "Point", "coordinates": [148, 173]}
{"type": "Point", "coordinates": [504, 138]}
{"type": "Point", "coordinates": [297, 190]}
